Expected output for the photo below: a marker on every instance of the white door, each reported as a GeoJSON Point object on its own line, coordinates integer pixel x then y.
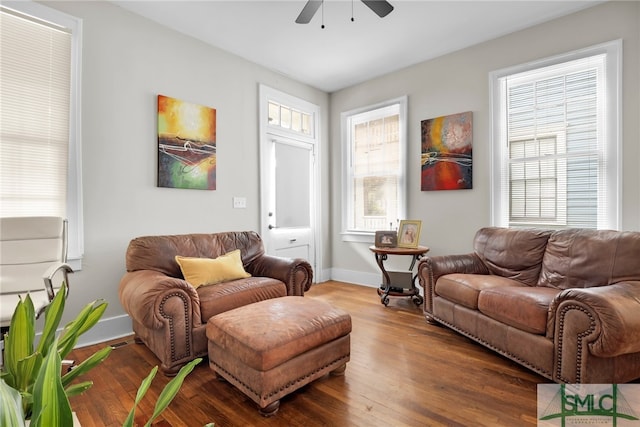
{"type": "Point", "coordinates": [289, 177]}
{"type": "Point", "coordinates": [289, 231]}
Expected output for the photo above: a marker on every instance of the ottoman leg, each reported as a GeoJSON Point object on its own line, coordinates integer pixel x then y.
{"type": "Point", "coordinates": [339, 371]}
{"type": "Point", "coordinates": [270, 410]}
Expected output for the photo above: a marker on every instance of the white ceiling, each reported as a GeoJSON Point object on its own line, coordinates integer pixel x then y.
{"type": "Point", "coordinates": [345, 53]}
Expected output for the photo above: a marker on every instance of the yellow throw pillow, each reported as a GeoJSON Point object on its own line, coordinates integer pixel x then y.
{"type": "Point", "coordinates": [208, 271]}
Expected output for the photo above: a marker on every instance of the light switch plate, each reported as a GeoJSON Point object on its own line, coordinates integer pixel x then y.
{"type": "Point", "coordinates": [239, 202]}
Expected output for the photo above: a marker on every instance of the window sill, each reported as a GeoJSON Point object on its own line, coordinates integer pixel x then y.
{"type": "Point", "coordinates": [358, 236]}
{"type": "Point", "coordinates": [75, 263]}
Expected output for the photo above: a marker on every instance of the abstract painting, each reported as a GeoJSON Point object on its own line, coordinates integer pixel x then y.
{"type": "Point", "coordinates": [447, 152]}
{"type": "Point", "coordinates": [186, 145]}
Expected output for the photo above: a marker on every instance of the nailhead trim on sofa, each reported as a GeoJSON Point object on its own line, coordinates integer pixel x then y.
{"type": "Point", "coordinates": [174, 357]}
{"type": "Point", "coordinates": [592, 326]}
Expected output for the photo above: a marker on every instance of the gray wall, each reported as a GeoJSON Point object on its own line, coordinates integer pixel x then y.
{"type": "Point", "coordinates": [459, 82]}
{"type": "Point", "coordinates": [129, 60]}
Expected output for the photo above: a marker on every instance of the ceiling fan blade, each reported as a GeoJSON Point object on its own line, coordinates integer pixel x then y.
{"type": "Point", "coordinates": [381, 7]}
{"type": "Point", "coordinates": [308, 11]}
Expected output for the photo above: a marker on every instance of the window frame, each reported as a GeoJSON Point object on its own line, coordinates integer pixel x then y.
{"type": "Point", "coordinates": [74, 169]}
{"type": "Point", "coordinates": [351, 235]}
{"type": "Point", "coordinates": [610, 134]}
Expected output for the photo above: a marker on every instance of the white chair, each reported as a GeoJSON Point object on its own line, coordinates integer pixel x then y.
{"type": "Point", "coordinates": [33, 260]}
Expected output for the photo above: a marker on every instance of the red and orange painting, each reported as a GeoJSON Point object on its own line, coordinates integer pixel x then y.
{"type": "Point", "coordinates": [186, 145]}
{"type": "Point", "coordinates": [446, 154]}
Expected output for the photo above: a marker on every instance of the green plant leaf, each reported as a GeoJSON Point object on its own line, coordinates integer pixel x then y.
{"type": "Point", "coordinates": [52, 317]}
{"type": "Point", "coordinates": [19, 340]}
{"type": "Point", "coordinates": [142, 390]}
{"type": "Point", "coordinates": [69, 335]}
{"type": "Point", "coordinates": [171, 389]}
{"type": "Point", "coordinates": [86, 319]}
{"type": "Point", "coordinates": [94, 360]}
{"type": "Point", "coordinates": [27, 371]}
{"type": "Point", "coordinates": [10, 406]}
{"type": "Point", "coordinates": [79, 388]}
{"type": "Point", "coordinates": [51, 407]}
{"type": "Point", "coordinates": [98, 310]}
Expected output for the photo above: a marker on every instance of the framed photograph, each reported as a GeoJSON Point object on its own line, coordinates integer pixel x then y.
{"type": "Point", "coordinates": [409, 233]}
{"type": "Point", "coordinates": [386, 239]}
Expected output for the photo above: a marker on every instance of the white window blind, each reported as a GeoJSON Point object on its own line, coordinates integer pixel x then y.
{"type": "Point", "coordinates": [558, 163]}
{"type": "Point", "coordinates": [39, 75]}
{"type": "Point", "coordinates": [34, 94]}
{"type": "Point", "coordinates": [374, 192]}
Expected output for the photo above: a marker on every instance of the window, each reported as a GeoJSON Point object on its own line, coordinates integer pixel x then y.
{"type": "Point", "coordinates": [39, 127]}
{"type": "Point", "coordinates": [284, 117]}
{"type": "Point", "coordinates": [374, 142]}
{"type": "Point", "coordinates": [555, 141]}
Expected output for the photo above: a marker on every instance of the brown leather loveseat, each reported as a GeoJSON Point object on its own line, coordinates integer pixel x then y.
{"type": "Point", "coordinates": [564, 303]}
{"type": "Point", "coordinates": [170, 316]}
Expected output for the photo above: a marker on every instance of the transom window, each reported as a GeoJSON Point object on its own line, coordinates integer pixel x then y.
{"type": "Point", "coordinates": [286, 117]}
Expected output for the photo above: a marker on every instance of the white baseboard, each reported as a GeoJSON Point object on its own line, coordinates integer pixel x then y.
{"type": "Point", "coordinates": [372, 280]}
{"type": "Point", "coordinates": [357, 277]}
{"type": "Point", "coordinates": [322, 275]}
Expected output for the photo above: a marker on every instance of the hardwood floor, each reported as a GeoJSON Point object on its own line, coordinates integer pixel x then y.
{"type": "Point", "coordinates": [402, 372]}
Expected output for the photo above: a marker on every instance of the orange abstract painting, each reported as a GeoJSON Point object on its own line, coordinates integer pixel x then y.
{"type": "Point", "coordinates": [446, 154]}
{"type": "Point", "coordinates": [186, 145]}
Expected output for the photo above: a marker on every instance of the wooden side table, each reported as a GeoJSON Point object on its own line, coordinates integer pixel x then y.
{"type": "Point", "coordinates": [387, 288]}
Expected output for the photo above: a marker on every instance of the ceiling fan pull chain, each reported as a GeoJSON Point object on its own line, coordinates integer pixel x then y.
{"type": "Point", "coordinates": [322, 26]}
{"type": "Point", "coordinates": [352, 11]}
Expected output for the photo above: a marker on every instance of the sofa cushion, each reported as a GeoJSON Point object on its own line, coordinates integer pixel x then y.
{"type": "Point", "coordinates": [512, 252]}
{"type": "Point", "coordinates": [237, 293]}
{"type": "Point", "coordinates": [464, 289]}
{"type": "Point", "coordinates": [523, 307]}
{"type": "Point", "coordinates": [207, 271]}
{"type": "Point", "coordinates": [583, 258]}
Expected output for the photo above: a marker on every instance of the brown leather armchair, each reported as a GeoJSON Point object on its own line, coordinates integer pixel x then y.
{"type": "Point", "coordinates": [169, 315]}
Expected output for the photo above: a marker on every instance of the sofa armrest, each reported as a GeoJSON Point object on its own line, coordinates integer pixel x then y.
{"type": "Point", "coordinates": [607, 318]}
{"type": "Point", "coordinates": [156, 300]}
{"type": "Point", "coordinates": [431, 268]}
{"type": "Point", "coordinates": [296, 273]}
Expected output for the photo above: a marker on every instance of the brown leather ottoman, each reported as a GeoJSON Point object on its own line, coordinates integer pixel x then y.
{"type": "Point", "coordinates": [270, 348]}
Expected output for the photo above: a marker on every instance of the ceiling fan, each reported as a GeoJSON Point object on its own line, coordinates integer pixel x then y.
{"type": "Point", "coordinates": [381, 8]}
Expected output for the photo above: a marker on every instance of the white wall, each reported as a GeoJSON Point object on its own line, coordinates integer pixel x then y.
{"type": "Point", "coordinates": [127, 62]}
{"type": "Point", "coordinates": [459, 82]}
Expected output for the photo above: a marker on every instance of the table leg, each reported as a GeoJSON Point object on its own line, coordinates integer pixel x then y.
{"type": "Point", "coordinates": [386, 286]}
